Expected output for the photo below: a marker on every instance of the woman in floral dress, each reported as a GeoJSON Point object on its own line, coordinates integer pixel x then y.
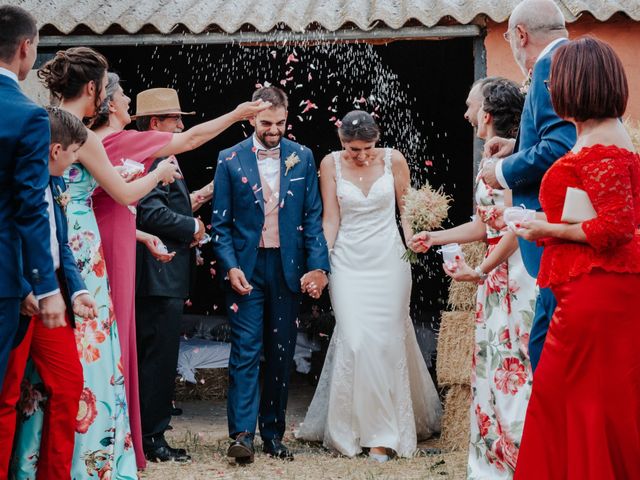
{"type": "Point", "coordinates": [103, 447]}
{"type": "Point", "coordinates": [501, 372]}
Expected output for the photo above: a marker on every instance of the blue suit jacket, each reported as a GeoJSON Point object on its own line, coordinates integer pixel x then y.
{"type": "Point", "coordinates": [238, 212]}
{"type": "Point", "coordinates": [70, 279]}
{"type": "Point", "coordinates": [543, 138]}
{"type": "Point", "coordinates": [24, 175]}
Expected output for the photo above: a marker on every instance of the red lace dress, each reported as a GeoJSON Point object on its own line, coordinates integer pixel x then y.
{"type": "Point", "coordinates": [583, 420]}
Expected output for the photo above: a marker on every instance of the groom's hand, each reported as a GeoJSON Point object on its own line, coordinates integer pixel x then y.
{"type": "Point", "coordinates": [313, 283]}
{"type": "Point", "coordinates": [239, 282]}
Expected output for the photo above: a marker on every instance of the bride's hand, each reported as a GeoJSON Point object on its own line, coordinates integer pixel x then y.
{"type": "Point", "coordinates": [420, 242]}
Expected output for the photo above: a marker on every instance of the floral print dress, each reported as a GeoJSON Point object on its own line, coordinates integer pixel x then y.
{"type": "Point", "coordinates": [103, 448]}
{"type": "Point", "coordinates": [501, 373]}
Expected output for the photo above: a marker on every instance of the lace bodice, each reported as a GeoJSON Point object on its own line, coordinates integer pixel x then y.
{"type": "Point", "coordinates": [366, 216]}
{"type": "Point", "coordinates": [611, 177]}
{"type": "Point", "coordinates": [80, 183]}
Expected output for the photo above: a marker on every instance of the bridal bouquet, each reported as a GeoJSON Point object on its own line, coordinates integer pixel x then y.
{"type": "Point", "coordinates": [424, 209]}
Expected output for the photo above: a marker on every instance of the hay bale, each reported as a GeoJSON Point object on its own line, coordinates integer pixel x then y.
{"type": "Point", "coordinates": [462, 295]}
{"type": "Point", "coordinates": [456, 343]}
{"type": "Point", "coordinates": [211, 384]}
{"type": "Point", "coordinates": [456, 418]}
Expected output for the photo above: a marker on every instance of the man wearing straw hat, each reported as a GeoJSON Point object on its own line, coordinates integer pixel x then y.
{"type": "Point", "coordinates": [162, 284]}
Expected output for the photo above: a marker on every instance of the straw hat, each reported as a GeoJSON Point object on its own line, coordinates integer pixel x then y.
{"type": "Point", "coordinates": [158, 101]}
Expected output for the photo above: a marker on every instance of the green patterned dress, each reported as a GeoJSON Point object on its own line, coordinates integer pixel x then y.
{"type": "Point", "coordinates": [103, 447]}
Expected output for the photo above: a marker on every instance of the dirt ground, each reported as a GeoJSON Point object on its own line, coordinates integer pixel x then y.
{"type": "Point", "coordinates": [202, 430]}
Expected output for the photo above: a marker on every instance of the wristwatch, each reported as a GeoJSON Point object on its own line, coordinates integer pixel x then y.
{"type": "Point", "coordinates": [483, 276]}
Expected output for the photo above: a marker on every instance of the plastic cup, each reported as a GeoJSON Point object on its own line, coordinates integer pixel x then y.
{"type": "Point", "coordinates": [205, 239]}
{"type": "Point", "coordinates": [162, 247]}
{"type": "Point", "coordinates": [451, 252]}
{"type": "Point", "coordinates": [516, 215]}
{"type": "Point", "coordinates": [132, 167]}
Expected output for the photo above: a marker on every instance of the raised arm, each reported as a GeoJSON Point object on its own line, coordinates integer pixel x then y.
{"type": "Point", "coordinates": [330, 206]}
{"type": "Point", "coordinates": [202, 133]}
{"type": "Point", "coordinates": [402, 183]}
{"type": "Point", "coordinates": [94, 157]}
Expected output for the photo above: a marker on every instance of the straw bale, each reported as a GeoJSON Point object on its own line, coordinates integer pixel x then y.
{"type": "Point", "coordinates": [456, 341]}
{"type": "Point", "coordinates": [456, 418]}
{"type": "Point", "coordinates": [211, 383]}
{"type": "Point", "coordinates": [462, 295]}
{"type": "Point", "coordinates": [474, 253]}
{"type": "Point", "coordinates": [633, 129]}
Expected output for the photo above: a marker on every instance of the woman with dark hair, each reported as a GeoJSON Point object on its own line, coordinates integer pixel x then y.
{"type": "Point", "coordinates": [501, 371]}
{"type": "Point", "coordinates": [583, 420]}
{"type": "Point", "coordinates": [375, 391]}
{"type": "Point", "coordinates": [117, 225]}
{"type": "Point", "coordinates": [77, 77]}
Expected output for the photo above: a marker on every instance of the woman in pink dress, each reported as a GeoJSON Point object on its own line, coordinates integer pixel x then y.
{"type": "Point", "coordinates": [117, 222]}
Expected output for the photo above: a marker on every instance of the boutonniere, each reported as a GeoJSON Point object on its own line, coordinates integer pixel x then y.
{"type": "Point", "coordinates": [290, 162]}
{"type": "Point", "coordinates": [524, 88]}
{"type": "Point", "coordinates": [62, 198]}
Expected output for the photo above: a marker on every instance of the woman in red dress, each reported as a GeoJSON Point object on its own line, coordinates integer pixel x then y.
{"type": "Point", "coordinates": [583, 420]}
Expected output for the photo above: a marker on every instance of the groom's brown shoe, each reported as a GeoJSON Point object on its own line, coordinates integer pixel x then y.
{"type": "Point", "coordinates": [242, 448]}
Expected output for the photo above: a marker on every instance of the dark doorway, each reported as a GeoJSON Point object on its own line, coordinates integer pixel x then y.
{"type": "Point", "coordinates": [417, 88]}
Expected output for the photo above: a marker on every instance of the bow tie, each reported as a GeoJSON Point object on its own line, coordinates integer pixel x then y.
{"type": "Point", "coordinates": [273, 153]}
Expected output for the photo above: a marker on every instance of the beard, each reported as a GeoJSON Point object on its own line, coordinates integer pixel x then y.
{"type": "Point", "coordinates": [269, 140]}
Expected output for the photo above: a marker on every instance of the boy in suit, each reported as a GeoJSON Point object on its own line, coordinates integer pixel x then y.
{"type": "Point", "coordinates": [53, 350]}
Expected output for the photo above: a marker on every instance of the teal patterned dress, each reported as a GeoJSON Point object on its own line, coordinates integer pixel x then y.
{"type": "Point", "coordinates": [103, 447]}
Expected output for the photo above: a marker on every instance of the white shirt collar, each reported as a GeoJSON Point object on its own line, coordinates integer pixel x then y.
{"type": "Point", "coordinates": [259, 146]}
{"type": "Point", "coordinates": [549, 47]}
{"type": "Point", "coordinates": [9, 73]}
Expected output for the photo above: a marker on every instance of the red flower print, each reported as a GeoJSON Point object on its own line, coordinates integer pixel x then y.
{"type": "Point", "coordinates": [98, 266]}
{"type": "Point", "coordinates": [87, 411]}
{"type": "Point", "coordinates": [484, 422]}
{"type": "Point", "coordinates": [88, 336]}
{"type": "Point", "coordinates": [510, 376]}
{"type": "Point", "coordinates": [479, 313]}
{"type": "Point", "coordinates": [497, 280]}
{"type": "Point", "coordinates": [524, 344]}
{"type": "Point", "coordinates": [506, 451]}
{"type": "Point", "coordinates": [128, 443]}
{"type": "Point", "coordinates": [505, 338]}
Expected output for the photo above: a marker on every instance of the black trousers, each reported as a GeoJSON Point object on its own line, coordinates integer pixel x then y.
{"type": "Point", "coordinates": [158, 339]}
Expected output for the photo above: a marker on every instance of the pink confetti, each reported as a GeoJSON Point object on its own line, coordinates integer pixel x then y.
{"type": "Point", "coordinates": [258, 85]}
{"type": "Point", "coordinates": [310, 106]}
{"type": "Point", "coordinates": [309, 77]}
{"type": "Point", "coordinates": [288, 72]}
{"type": "Point", "coordinates": [234, 307]}
{"type": "Point", "coordinates": [254, 149]}
{"type": "Point", "coordinates": [289, 127]}
{"type": "Point", "coordinates": [282, 204]}
{"type": "Point", "coordinates": [188, 302]}
{"type": "Point", "coordinates": [212, 271]}
{"type": "Point", "coordinates": [291, 58]}
{"type": "Point", "coordinates": [361, 100]}
{"type": "Point", "coordinates": [333, 119]}
{"type": "Point", "coordinates": [292, 136]}
{"type": "Point", "coordinates": [428, 163]}
{"type": "Point", "coordinates": [245, 179]}
{"type": "Point", "coordinates": [338, 123]}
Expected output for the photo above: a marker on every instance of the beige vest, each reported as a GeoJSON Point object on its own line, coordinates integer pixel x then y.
{"type": "Point", "coordinates": [270, 237]}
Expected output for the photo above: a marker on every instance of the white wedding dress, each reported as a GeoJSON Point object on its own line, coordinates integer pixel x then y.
{"type": "Point", "coordinates": [375, 389]}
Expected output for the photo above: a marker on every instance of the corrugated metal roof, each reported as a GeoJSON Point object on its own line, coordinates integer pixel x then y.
{"type": "Point", "coordinates": [297, 15]}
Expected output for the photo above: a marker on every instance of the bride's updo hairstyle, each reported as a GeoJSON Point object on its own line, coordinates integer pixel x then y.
{"type": "Point", "coordinates": [504, 101]}
{"type": "Point", "coordinates": [66, 74]}
{"type": "Point", "coordinates": [358, 125]}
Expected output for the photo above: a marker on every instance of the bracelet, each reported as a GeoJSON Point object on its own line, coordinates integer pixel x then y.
{"type": "Point", "coordinates": [483, 276]}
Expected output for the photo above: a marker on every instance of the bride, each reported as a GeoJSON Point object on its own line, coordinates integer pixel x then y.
{"type": "Point", "coordinates": [374, 391]}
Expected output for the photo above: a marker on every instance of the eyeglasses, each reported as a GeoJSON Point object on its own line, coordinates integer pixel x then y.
{"type": "Point", "coordinates": [549, 28]}
{"type": "Point", "coordinates": [177, 118]}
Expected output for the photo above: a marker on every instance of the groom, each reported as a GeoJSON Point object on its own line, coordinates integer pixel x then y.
{"type": "Point", "coordinates": [267, 238]}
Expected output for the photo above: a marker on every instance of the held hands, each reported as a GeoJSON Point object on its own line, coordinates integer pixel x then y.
{"type": "Point", "coordinates": [84, 306]}
{"type": "Point", "coordinates": [248, 110]}
{"type": "Point", "coordinates": [461, 272]}
{"type": "Point", "coordinates": [420, 242]}
{"type": "Point", "coordinates": [52, 310]}
{"type": "Point", "coordinates": [200, 197]}
{"type": "Point", "coordinates": [239, 282]}
{"type": "Point", "coordinates": [167, 171]}
{"type": "Point", "coordinates": [314, 283]}
{"type": "Point", "coordinates": [534, 229]}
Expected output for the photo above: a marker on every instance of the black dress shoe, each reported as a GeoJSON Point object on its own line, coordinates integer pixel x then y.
{"type": "Point", "coordinates": [166, 454]}
{"type": "Point", "coordinates": [242, 448]}
{"type": "Point", "coordinates": [275, 448]}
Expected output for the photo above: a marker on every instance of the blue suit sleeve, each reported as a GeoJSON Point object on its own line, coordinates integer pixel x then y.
{"type": "Point", "coordinates": [556, 136]}
{"type": "Point", "coordinates": [30, 180]}
{"type": "Point", "coordinates": [222, 217]}
{"type": "Point", "coordinates": [314, 241]}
